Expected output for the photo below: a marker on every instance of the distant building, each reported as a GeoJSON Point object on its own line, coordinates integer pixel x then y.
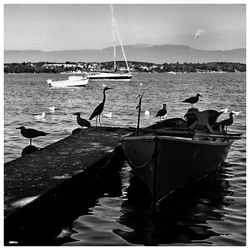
{"type": "Point", "coordinates": [65, 65]}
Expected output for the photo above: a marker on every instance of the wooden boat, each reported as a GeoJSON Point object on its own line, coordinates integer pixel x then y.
{"type": "Point", "coordinates": [73, 81]}
{"type": "Point", "coordinates": [175, 152]}
{"type": "Point", "coordinates": [170, 160]}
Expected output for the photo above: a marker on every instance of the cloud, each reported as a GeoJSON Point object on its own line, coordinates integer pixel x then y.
{"type": "Point", "coordinates": [197, 34]}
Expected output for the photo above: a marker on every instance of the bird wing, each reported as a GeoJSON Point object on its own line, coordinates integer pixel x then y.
{"type": "Point", "coordinates": [97, 111]}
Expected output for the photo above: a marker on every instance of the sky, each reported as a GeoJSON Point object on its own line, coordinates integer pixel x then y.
{"type": "Point", "coordinates": [51, 27]}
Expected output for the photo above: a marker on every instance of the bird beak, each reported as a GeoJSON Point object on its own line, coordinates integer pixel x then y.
{"type": "Point", "coordinates": [18, 128]}
{"type": "Point", "coordinates": [108, 88]}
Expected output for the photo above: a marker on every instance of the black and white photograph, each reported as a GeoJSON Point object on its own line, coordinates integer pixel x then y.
{"type": "Point", "coordinates": [124, 123]}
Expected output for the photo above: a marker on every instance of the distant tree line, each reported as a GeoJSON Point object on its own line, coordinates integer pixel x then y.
{"type": "Point", "coordinates": [177, 67]}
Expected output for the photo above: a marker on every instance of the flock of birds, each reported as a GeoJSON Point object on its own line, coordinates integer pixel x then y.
{"type": "Point", "coordinates": [32, 133]}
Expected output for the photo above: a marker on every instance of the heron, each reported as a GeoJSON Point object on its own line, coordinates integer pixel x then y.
{"type": "Point", "coordinates": [162, 111]}
{"type": "Point", "coordinates": [192, 100]}
{"type": "Point", "coordinates": [82, 122]}
{"type": "Point", "coordinates": [98, 110]}
{"type": "Point", "coordinates": [31, 133]}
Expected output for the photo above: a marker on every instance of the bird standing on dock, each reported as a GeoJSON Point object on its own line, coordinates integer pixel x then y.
{"type": "Point", "coordinates": [31, 133]}
{"type": "Point", "coordinates": [82, 122]}
{"type": "Point", "coordinates": [162, 112]}
{"type": "Point", "coordinates": [98, 110]}
{"type": "Point", "coordinates": [192, 100]}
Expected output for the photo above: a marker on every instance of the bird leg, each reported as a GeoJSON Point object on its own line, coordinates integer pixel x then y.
{"type": "Point", "coordinates": [30, 141]}
{"type": "Point", "coordinates": [100, 121]}
{"type": "Point", "coordinates": [96, 122]}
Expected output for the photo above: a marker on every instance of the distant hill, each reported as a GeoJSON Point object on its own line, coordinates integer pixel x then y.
{"type": "Point", "coordinates": [142, 53]}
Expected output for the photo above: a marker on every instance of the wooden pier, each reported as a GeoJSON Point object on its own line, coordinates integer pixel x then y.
{"type": "Point", "coordinates": [38, 172]}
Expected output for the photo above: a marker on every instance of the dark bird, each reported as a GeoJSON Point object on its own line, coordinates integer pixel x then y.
{"type": "Point", "coordinates": [226, 123]}
{"type": "Point", "coordinates": [192, 100]}
{"type": "Point", "coordinates": [213, 115]}
{"type": "Point", "coordinates": [82, 122]}
{"type": "Point", "coordinates": [31, 133]}
{"type": "Point", "coordinates": [98, 110]}
{"type": "Point", "coordinates": [162, 111]}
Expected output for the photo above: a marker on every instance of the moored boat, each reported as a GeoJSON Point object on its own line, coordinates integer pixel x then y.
{"type": "Point", "coordinates": [73, 81]}
{"type": "Point", "coordinates": [168, 158]}
{"type": "Point", "coordinates": [109, 76]}
{"type": "Point", "coordinates": [166, 163]}
{"type": "Point", "coordinates": [113, 75]}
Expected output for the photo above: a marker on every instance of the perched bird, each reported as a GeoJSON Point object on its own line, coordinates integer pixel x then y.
{"type": "Point", "coordinates": [42, 116]}
{"type": "Point", "coordinates": [82, 122]}
{"type": "Point", "coordinates": [162, 111]}
{"type": "Point", "coordinates": [192, 100]}
{"type": "Point", "coordinates": [31, 133]}
{"type": "Point", "coordinates": [213, 115]}
{"type": "Point", "coordinates": [98, 110]}
{"type": "Point", "coordinates": [227, 122]}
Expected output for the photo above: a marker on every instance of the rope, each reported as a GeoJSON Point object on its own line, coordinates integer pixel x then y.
{"type": "Point", "coordinates": [150, 161]}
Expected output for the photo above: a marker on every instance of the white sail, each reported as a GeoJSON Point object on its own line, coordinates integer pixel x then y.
{"type": "Point", "coordinates": [113, 76]}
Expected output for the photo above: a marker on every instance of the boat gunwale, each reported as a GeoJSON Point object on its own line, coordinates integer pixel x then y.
{"type": "Point", "coordinates": [175, 138]}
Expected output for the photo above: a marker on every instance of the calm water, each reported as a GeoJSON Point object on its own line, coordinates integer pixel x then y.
{"type": "Point", "coordinates": [215, 216]}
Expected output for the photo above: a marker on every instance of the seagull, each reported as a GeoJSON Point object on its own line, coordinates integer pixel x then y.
{"type": "Point", "coordinates": [109, 115]}
{"type": "Point", "coordinates": [227, 122]}
{"type": "Point", "coordinates": [162, 111]}
{"type": "Point", "coordinates": [82, 122]}
{"type": "Point", "coordinates": [52, 109]}
{"type": "Point", "coordinates": [42, 116]}
{"type": "Point", "coordinates": [31, 133]}
{"type": "Point", "coordinates": [192, 100]}
{"type": "Point", "coordinates": [147, 113]}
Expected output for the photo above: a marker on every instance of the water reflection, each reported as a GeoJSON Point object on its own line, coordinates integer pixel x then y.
{"type": "Point", "coordinates": [182, 218]}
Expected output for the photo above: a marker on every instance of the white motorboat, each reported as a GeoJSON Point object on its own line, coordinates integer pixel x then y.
{"type": "Point", "coordinates": [73, 81]}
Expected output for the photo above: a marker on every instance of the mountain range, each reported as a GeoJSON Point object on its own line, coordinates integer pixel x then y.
{"type": "Point", "coordinates": [140, 53]}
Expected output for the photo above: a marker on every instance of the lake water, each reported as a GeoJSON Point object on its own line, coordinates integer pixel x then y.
{"type": "Point", "coordinates": [215, 216]}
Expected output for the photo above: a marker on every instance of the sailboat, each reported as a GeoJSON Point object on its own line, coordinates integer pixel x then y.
{"type": "Point", "coordinates": [114, 75]}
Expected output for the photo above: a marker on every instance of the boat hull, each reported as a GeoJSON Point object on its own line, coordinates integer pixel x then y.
{"type": "Point", "coordinates": [73, 81]}
{"type": "Point", "coordinates": [109, 77]}
{"type": "Point", "coordinates": [167, 163]}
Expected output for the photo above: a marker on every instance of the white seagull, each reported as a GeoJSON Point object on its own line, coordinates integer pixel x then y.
{"type": "Point", "coordinates": [42, 116]}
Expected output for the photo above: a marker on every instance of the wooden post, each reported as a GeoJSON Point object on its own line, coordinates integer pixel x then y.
{"type": "Point", "coordinates": [139, 114]}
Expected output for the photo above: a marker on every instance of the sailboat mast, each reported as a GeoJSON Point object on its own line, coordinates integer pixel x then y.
{"type": "Point", "coordinates": [113, 31]}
